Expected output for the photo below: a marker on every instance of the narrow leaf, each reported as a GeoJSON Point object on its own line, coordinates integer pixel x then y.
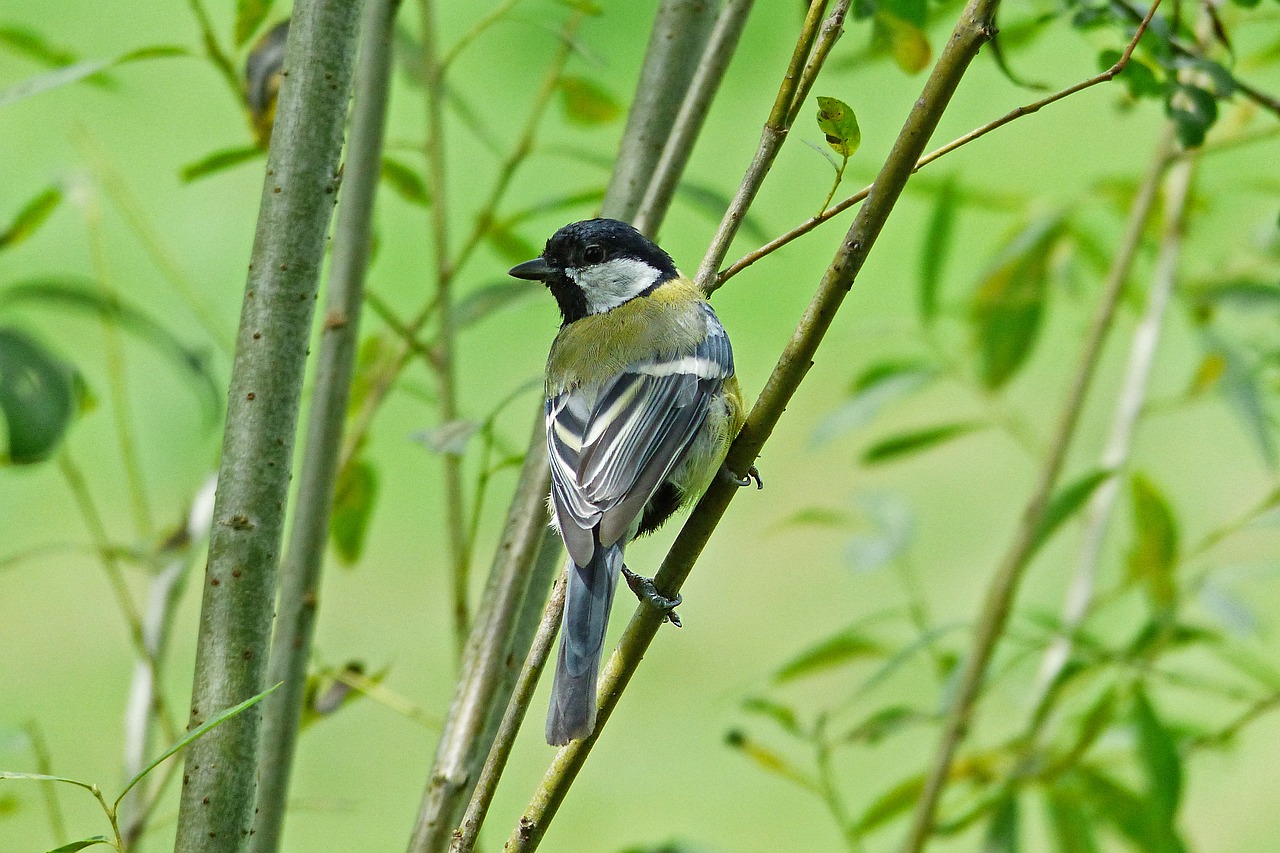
{"type": "Point", "coordinates": [81, 844]}
{"type": "Point", "coordinates": [37, 397]}
{"type": "Point", "coordinates": [1002, 835]}
{"type": "Point", "coordinates": [937, 245]}
{"type": "Point", "coordinates": [30, 217]}
{"type": "Point", "coordinates": [893, 524]}
{"type": "Point", "coordinates": [884, 723]}
{"type": "Point", "coordinates": [249, 17]}
{"type": "Point", "coordinates": [220, 161]}
{"type": "Point", "coordinates": [879, 385]}
{"type": "Point", "coordinates": [1008, 304]}
{"type": "Point", "coordinates": [1240, 385]}
{"type": "Point", "coordinates": [194, 734]}
{"type": "Point", "coordinates": [80, 71]}
{"type": "Point", "coordinates": [846, 647]}
{"type": "Point", "coordinates": [35, 46]}
{"type": "Point", "coordinates": [817, 516]}
{"type": "Point", "coordinates": [1067, 502]}
{"type": "Point", "coordinates": [406, 182]}
{"type": "Point", "coordinates": [1193, 111]}
{"type": "Point", "coordinates": [769, 760]}
{"type": "Point", "coordinates": [1069, 824]}
{"type": "Point", "coordinates": [586, 102]}
{"type": "Point", "coordinates": [906, 41]}
{"type": "Point", "coordinates": [449, 438]}
{"type": "Point", "coordinates": [838, 123]}
{"type": "Point", "coordinates": [1154, 554]}
{"type": "Point", "coordinates": [904, 444]}
{"type": "Point", "coordinates": [491, 299]}
{"type": "Point", "coordinates": [1128, 813]}
{"type": "Point", "coordinates": [713, 203]}
{"type": "Point", "coordinates": [783, 715]}
{"type": "Point", "coordinates": [1157, 756]}
{"type": "Point", "coordinates": [890, 805]}
{"type": "Point", "coordinates": [354, 497]}
{"type": "Point", "coordinates": [41, 777]}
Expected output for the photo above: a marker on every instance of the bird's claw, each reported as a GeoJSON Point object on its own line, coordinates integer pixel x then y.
{"type": "Point", "coordinates": [645, 591]}
{"type": "Point", "coordinates": [752, 475]}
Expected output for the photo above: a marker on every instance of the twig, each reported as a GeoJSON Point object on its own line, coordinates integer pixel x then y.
{"type": "Point", "coordinates": [973, 29]}
{"type": "Point", "coordinates": [1003, 586]}
{"type": "Point", "coordinates": [680, 32]}
{"type": "Point", "coordinates": [44, 765]}
{"type": "Point", "coordinates": [1129, 405]}
{"type": "Point", "coordinates": [774, 132]}
{"type": "Point", "coordinates": [977, 133]}
{"type": "Point", "coordinates": [302, 176]}
{"type": "Point", "coordinates": [301, 568]}
{"type": "Point", "coordinates": [464, 839]}
{"type": "Point", "coordinates": [720, 48]}
{"type": "Point", "coordinates": [497, 14]}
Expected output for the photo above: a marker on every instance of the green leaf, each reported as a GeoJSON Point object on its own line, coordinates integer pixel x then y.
{"type": "Point", "coordinates": [893, 525]}
{"type": "Point", "coordinates": [1067, 502]}
{"type": "Point", "coordinates": [1002, 835]}
{"type": "Point", "coordinates": [84, 296]}
{"type": "Point", "coordinates": [783, 715]}
{"type": "Point", "coordinates": [1193, 111]}
{"type": "Point", "coordinates": [41, 777]}
{"type": "Point", "coordinates": [80, 71]}
{"type": "Point", "coordinates": [1245, 294]}
{"type": "Point", "coordinates": [196, 733]}
{"type": "Point", "coordinates": [877, 386]}
{"type": "Point", "coordinates": [509, 245]}
{"type": "Point", "coordinates": [1240, 385]}
{"type": "Point", "coordinates": [1157, 756]}
{"type": "Point", "coordinates": [1210, 370]}
{"type": "Point", "coordinates": [249, 17]}
{"type": "Point", "coordinates": [838, 123]}
{"type": "Point", "coordinates": [491, 299]}
{"type": "Point", "coordinates": [37, 397]}
{"type": "Point", "coordinates": [903, 444]}
{"type": "Point", "coordinates": [30, 217]}
{"type": "Point", "coordinates": [1128, 813]}
{"type": "Point", "coordinates": [354, 497]}
{"type": "Point", "coordinates": [81, 844]}
{"type": "Point", "coordinates": [713, 203]}
{"type": "Point", "coordinates": [1008, 304]}
{"type": "Point", "coordinates": [847, 647]}
{"type": "Point", "coordinates": [937, 245]}
{"type": "Point", "coordinates": [406, 181]}
{"type": "Point", "coordinates": [1070, 826]}
{"type": "Point", "coordinates": [449, 439]}
{"type": "Point", "coordinates": [34, 46]}
{"type": "Point", "coordinates": [1154, 554]}
{"type": "Point", "coordinates": [1139, 77]}
{"type": "Point", "coordinates": [769, 760]}
{"type": "Point", "coordinates": [884, 723]}
{"type": "Point", "coordinates": [1094, 722]}
{"type": "Point", "coordinates": [817, 516]}
{"type": "Point", "coordinates": [906, 42]}
{"type": "Point", "coordinates": [220, 161]}
{"type": "Point", "coordinates": [586, 102]}
{"type": "Point", "coordinates": [891, 804]}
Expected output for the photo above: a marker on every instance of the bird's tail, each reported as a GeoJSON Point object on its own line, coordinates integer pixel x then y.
{"type": "Point", "coordinates": [588, 600]}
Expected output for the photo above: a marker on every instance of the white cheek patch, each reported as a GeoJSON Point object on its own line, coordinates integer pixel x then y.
{"type": "Point", "coordinates": [612, 283]}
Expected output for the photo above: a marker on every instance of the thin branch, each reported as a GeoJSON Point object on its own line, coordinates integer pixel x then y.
{"type": "Point", "coordinates": [478, 29]}
{"type": "Point", "coordinates": [221, 768]}
{"type": "Point", "coordinates": [688, 122]}
{"type": "Point", "coordinates": [973, 29]}
{"type": "Point", "coordinates": [464, 840]}
{"type": "Point", "coordinates": [775, 130]}
{"type": "Point", "coordinates": [977, 133]}
{"type": "Point", "coordinates": [1004, 585]}
{"type": "Point", "coordinates": [301, 568]}
{"type": "Point", "coordinates": [680, 32]}
{"type": "Point", "coordinates": [1129, 406]}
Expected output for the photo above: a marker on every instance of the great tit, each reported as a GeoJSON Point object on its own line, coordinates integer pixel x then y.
{"type": "Point", "coordinates": [641, 406]}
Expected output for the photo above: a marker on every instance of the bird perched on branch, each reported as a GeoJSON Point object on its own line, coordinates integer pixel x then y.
{"type": "Point", "coordinates": [642, 404]}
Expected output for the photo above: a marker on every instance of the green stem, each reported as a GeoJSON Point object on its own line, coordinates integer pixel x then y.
{"type": "Point", "coordinates": [301, 569]}
{"type": "Point", "coordinates": [302, 176]}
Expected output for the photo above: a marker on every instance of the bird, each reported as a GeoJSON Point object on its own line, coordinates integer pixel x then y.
{"type": "Point", "coordinates": [642, 404]}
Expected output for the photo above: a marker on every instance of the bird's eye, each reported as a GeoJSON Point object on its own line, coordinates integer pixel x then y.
{"type": "Point", "coordinates": [593, 254]}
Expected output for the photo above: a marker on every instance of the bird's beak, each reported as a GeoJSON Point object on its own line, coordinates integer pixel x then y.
{"type": "Point", "coordinates": [535, 270]}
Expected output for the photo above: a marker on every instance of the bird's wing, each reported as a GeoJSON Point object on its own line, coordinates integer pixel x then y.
{"type": "Point", "coordinates": [609, 455]}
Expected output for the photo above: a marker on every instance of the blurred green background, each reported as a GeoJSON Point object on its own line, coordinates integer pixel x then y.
{"type": "Point", "coordinates": [764, 590]}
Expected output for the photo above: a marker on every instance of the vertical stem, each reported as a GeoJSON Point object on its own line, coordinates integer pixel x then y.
{"type": "Point", "coordinates": [1004, 585]}
{"type": "Point", "coordinates": [1133, 395]}
{"type": "Point", "coordinates": [455, 514]}
{"type": "Point", "coordinates": [221, 768]}
{"type": "Point", "coordinates": [301, 569]}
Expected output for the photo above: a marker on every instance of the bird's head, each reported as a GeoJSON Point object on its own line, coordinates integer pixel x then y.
{"type": "Point", "coordinates": [595, 265]}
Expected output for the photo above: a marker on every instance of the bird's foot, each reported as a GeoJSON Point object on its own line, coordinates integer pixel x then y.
{"type": "Point", "coordinates": [752, 475]}
{"type": "Point", "coordinates": [645, 591]}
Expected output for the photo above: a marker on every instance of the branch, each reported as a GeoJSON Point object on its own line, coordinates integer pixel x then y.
{"type": "Point", "coordinates": [1004, 585]}
{"type": "Point", "coordinates": [720, 48]}
{"type": "Point", "coordinates": [680, 29]}
{"type": "Point", "coordinates": [977, 133]}
{"type": "Point", "coordinates": [309, 529]}
{"type": "Point", "coordinates": [798, 77]}
{"type": "Point", "coordinates": [262, 414]}
{"type": "Point", "coordinates": [972, 31]}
